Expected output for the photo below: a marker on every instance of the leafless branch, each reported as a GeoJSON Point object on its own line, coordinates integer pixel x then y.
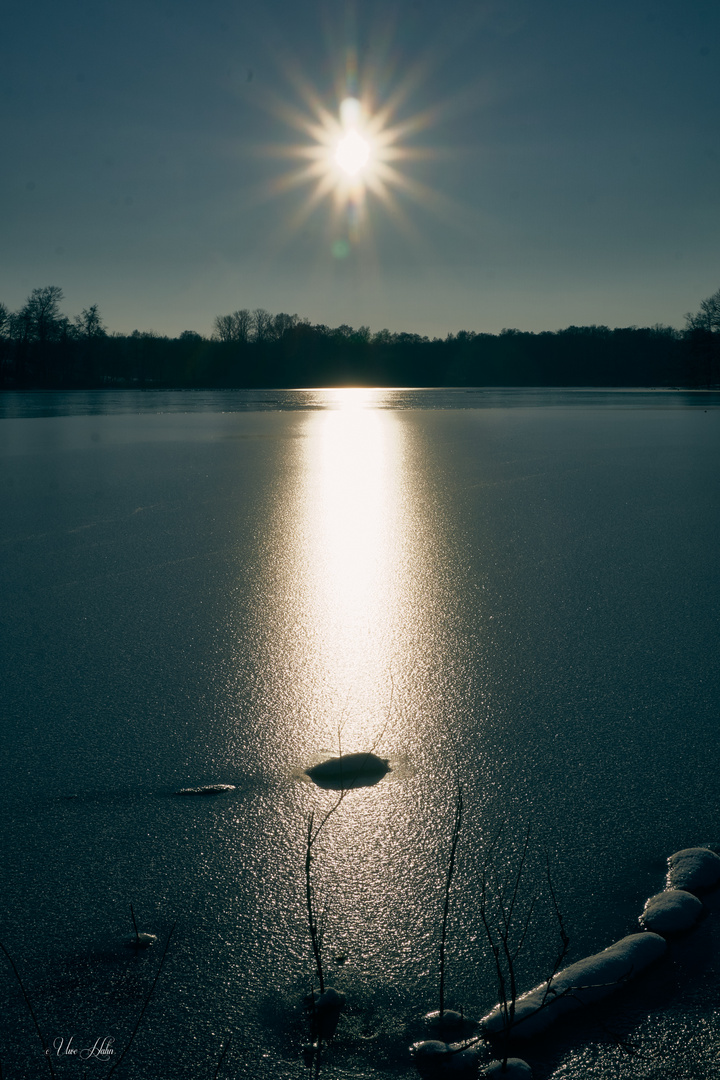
{"type": "Point", "coordinates": [137, 935]}
{"type": "Point", "coordinates": [313, 833]}
{"type": "Point", "coordinates": [457, 822]}
{"type": "Point", "coordinates": [223, 1052]}
{"type": "Point", "coordinates": [310, 899]}
{"type": "Point", "coordinates": [46, 1051]}
{"type": "Point", "coordinates": [506, 930]}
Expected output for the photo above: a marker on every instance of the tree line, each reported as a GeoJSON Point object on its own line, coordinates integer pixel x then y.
{"type": "Point", "coordinates": [41, 348]}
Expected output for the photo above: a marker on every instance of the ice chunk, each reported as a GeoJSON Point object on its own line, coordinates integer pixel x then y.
{"type": "Point", "coordinates": [349, 771]}
{"type": "Point", "coordinates": [141, 941]}
{"type": "Point", "coordinates": [588, 980]}
{"type": "Point", "coordinates": [517, 1069]}
{"type": "Point", "coordinates": [671, 911]}
{"type": "Point", "coordinates": [693, 868]}
{"type": "Point", "coordinates": [209, 789]}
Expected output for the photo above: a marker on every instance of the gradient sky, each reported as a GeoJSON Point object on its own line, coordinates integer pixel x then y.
{"type": "Point", "coordinates": [564, 161]}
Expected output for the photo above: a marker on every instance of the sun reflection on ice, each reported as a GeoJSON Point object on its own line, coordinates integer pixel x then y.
{"type": "Point", "coordinates": [352, 508]}
{"type": "Point", "coordinates": [353, 478]}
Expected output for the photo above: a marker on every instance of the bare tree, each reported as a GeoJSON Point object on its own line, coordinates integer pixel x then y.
{"type": "Point", "coordinates": [41, 316]}
{"type": "Point", "coordinates": [708, 317]}
{"type": "Point", "coordinates": [235, 327]}
{"type": "Point", "coordinates": [282, 324]}
{"type": "Point", "coordinates": [242, 324]}
{"type": "Point", "coordinates": [89, 325]}
{"type": "Point", "coordinates": [262, 322]}
{"type": "Point", "coordinates": [223, 327]}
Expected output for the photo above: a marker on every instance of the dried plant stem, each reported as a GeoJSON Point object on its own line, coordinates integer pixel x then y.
{"type": "Point", "coordinates": [223, 1052]}
{"type": "Point", "coordinates": [312, 917]}
{"type": "Point", "coordinates": [498, 904]}
{"type": "Point", "coordinates": [448, 882]}
{"type": "Point", "coordinates": [137, 935]}
{"type": "Point", "coordinates": [311, 837]}
{"type": "Point", "coordinates": [46, 1051]}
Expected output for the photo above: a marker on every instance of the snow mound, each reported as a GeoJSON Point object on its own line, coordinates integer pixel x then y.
{"type": "Point", "coordinates": [517, 1069]}
{"type": "Point", "coordinates": [209, 789]}
{"type": "Point", "coordinates": [588, 980]}
{"type": "Point", "coordinates": [349, 771]}
{"type": "Point", "coordinates": [671, 911]}
{"type": "Point", "coordinates": [436, 1060]}
{"type": "Point", "coordinates": [693, 868]}
{"type": "Point", "coordinates": [448, 1019]}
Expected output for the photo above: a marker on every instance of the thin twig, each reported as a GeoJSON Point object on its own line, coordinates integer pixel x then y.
{"type": "Point", "coordinates": [46, 1051]}
{"type": "Point", "coordinates": [312, 919]}
{"type": "Point", "coordinates": [504, 896]}
{"type": "Point", "coordinates": [371, 751]}
{"type": "Point", "coordinates": [345, 790]}
{"type": "Point", "coordinates": [564, 939]}
{"type": "Point", "coordinates": [448, 882]}
{"type": "Point", "coordinates": [222, 1055]}
{"type": "Point", "coordinates": [519, 873]}
{"type": "Point", "coordinates": [571, 992]}
{"type": "Point", "coordinates": [521, 939]}
{"type": "Point", "coordinates": [137, 935]}
{"type": "Point", "coordinates": [312, 835]}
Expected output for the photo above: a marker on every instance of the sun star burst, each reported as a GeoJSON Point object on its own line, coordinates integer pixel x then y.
{"type": "Point", "coordinates": [354, 156]}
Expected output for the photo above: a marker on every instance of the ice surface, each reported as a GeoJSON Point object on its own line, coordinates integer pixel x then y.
{"type": "Point", "coordinates": [128, 669]}
{"type": "Point", "coordinates": [693, 868]}
{"type": "Point", "coordinates": [671, 911]}
{"type": "Point", "coordinates": [588, 980]}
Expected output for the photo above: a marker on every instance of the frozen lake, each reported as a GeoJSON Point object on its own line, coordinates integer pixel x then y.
{"type": "Point", "coordinates": [515, 589]}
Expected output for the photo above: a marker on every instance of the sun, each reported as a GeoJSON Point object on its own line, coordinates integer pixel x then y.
{"type": "Point", "coordinates": [353, 149]}
{"type": "Point", "coordinates": [352, 153]}
{"type": "Point", "coordinates": [349, 156]}
{"type": "Point", "coordinates": [356, 156]}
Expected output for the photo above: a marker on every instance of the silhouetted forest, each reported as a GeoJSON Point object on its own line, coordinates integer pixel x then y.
{"type": "Point", "coordinates": [41, 348]}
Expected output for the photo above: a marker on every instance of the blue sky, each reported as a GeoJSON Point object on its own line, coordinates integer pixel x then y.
{"type": "Point", "coordinates": [564, 161]}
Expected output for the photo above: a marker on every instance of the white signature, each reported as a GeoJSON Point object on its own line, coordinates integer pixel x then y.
{"type": "Point", "coordinates": [101, 1048]}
